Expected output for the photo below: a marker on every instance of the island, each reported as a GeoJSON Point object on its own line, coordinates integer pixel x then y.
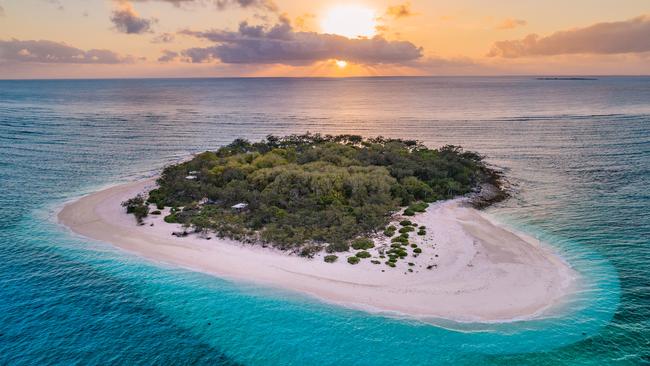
{"type": "Point", "coordinates": [379, 224]}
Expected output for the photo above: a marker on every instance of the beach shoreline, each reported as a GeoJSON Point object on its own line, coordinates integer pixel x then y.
{"type": "Point", "coordinates": [472, 269]}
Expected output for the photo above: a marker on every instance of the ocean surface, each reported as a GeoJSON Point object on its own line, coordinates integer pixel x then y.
{"type": "Point", "coordinates": [576, 153]}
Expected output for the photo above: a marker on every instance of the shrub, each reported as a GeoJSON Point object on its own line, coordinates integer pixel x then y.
{"type": "Point", "coordinates": [156, 212]}
{"type": "Point", "coordinates": [391, 228]}
{"type": "Point", "coordinates": [389, 233]}
{"type": "Point", "coordinates": [331, 258]}
{"type": "Point", "coordinates": [353, 260]}
{"type": "Point", "coordinates": [414, 245]}
{"type": "Point", "coordinates": [392, 259]}
{"type": "Point", "coordinates": [396, 245]}
{"type": "Point", "coordinates": [423, 227]}
{"type": "Point", "coordinates": [309, 250]}
{"type": "Point", "coordinates": [390, 264]}
{"type": "Point", "coordinates": [411, 264]}
{"type": "Point", "coordinates": [422, 233]}
{"type": "Point", "coordinates": [375, 261]}
{"type": "Point", "coordinates": [362, 244]}
{"type": "Point", "coordinates": [406, 223]}
{"type": "Point", "coordinates": [160, 205]}
{"type": "Point", "coordinates": [136, 206]}
{"type": "Point", "coordinates": [409, 212]}
{"type": "Point", "coordinates": [171, 219]}
{"type": "Point", "coordinates": [363, 254]}
{"type": "Point", "coordinates": [419, 206]}
{"type": "Point", "coordinates": [417, 250]}
{"type": "Point", "coordinates": [337, 247]}
{"type": "Point", "coordinates": [406, 229]}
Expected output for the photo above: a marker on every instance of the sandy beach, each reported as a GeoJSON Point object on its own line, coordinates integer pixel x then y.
{"type": "Point", "coordinates": [471, 268]}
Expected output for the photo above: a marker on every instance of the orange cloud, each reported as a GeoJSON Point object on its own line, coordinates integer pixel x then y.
{"type": "Point", "coordinates": [511, 23]}
{"type": "Point", "coordinates": [628, 36]}
{"type": "Point", "coordinates": [399, 11]}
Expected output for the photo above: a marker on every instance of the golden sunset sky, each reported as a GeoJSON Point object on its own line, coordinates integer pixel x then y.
{"type": "Point", "coordinates": [201, 38]}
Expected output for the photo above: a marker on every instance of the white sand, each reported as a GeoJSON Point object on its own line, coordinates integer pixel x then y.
{"type": "Point", "coordinates": [481, 271]}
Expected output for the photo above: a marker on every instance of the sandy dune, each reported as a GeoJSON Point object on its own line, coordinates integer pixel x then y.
{"type": "Point", "coordinates": [478, 270]}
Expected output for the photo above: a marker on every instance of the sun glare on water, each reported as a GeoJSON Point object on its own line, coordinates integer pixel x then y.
{"type": "Point", "coordinates": [350, 21]}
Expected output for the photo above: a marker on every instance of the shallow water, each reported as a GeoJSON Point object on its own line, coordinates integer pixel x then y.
{"type": "Point", "coordinates": [576, 152]}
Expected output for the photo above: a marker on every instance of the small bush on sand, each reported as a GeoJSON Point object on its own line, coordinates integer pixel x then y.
{"type": "Point", "coordinates": [406, 223]}
{"type": "Point", "coordinates": [375, 261]}
{"type": "Point", "coordinates": [171, 219]}
{"type": "Point", "coordinates": [390, 264]}
{"type": "Point", "coordinates": [362, 244]}
{"type": "Point", "coordinates": [353, 260]}
{"type": "Point", "coordinates": [363, 254]}
{"type": "Point", "coordinates": [156, 212]}
{"type": "Point", "coordinates": [422, 233]}
{"type": "Point", "coordinates": [406, 229]}
{"type": "Point", "coordinates": [389, 233]}
{"type": "Point", "coordinates": [409, 212]}
{"type": "Point", "coordinates": [331, 258]}
{"type": "Point", "coordinates": [417, 250]}
{"type": "Point", "coordinates": [419, 206]}
{"type": "Point", "coordinates": [337, 247]}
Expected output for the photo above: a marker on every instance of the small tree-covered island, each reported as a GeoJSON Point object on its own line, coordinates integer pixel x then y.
{"type": "Point", "coordinates": [309, 193]}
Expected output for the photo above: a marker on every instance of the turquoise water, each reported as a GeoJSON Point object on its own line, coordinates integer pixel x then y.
{"type": "Point", "coordinates": [577, 154]}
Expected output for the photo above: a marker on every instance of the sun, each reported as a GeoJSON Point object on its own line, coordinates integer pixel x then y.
{"type": "Point", "coordinates": [350, 21]}
{"type": "Point", "coordinates": [341, 64]}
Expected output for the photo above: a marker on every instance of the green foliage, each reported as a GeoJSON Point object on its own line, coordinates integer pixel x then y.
{"type": "Point", "coordinates": [310, 250]}
{"type": "Point", "coordinates": [171, 219]}
{"type": "Point", "coordinates": [414, 245]}
{"type": "Point", "coordinates": [417, 250]}
{"type": "Point", "coordinates": [389, 233]}
{"type": "Point", "coordinates": [374, 261]}
{"type": "Point", "coordinates": [337, 247]}
{"type": "Point", "coordinates": [390, 264]}
{"type": "Point", "coordinates": [423, 227]}
{"type": "Point", "coordinates": [330, 258]}
{"type": "Point", "coordinates": [409, 212]}
{"type": "Point", "coordinates": [312, 188]}
{"type": "Point", "coordinates": [353, 260]}
{"type": "Point", "coordinates": [406, 223]}
{"type": "Point", "coordinates": [406, 229]}
{"type": "Point", "coordinates": [156, 212]}
{"type": "Point", "coordinates": [363, 254]}
{"type": "Point", "coordinates": [419, 206]}
{"type": "Point", "coordinates": [138, 207]}
{"type": "Point", "coordinates": [422, 232]}
{"type": "Point", "coordinates": [391, 228]}
{"type": "Point", "coordinates": [362, 244]}
{"type": "Point", "coordinates": [411, 264]}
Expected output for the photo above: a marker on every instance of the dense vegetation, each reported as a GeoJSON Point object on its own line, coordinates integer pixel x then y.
{"type": "Point", "coordinates": [304, 191]}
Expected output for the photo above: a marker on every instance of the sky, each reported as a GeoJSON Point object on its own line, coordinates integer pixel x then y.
{"type": "Point", "coordinates": [254, 38]}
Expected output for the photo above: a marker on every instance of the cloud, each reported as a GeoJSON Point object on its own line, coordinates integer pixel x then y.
{"type": "Point", "coordinates": [399, 11]}
{"type": "Point", "coordinates": [511, 23]}
{"type": "Point", "coordinates": [2, 11]}
{"type": "Point", "coordinates": [127, 20]}
{"type": "Point", "coordinates": [280, 44]}
{"type": "Point", "coordinates": [628, 36]}
{"type": "Point", "coordinates": [163, 38]}
{"type": "Point", "coordinates": [223, 4]}
{"type": "Point", "coordinates": [55, 53]}
{"type": "Point", "coordinates": [168, 56]}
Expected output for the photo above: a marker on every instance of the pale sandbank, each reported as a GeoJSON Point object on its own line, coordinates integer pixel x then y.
{"type": "Point", "coordinates": [471, 268]}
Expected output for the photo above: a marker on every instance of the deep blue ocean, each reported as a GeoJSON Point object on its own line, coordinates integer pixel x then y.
{"type": "Point", "coordinates": [576, 153]}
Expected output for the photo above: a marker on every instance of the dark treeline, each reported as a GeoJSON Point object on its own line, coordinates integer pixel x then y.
{"type": "Point", "coordinates": [312, 189]}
